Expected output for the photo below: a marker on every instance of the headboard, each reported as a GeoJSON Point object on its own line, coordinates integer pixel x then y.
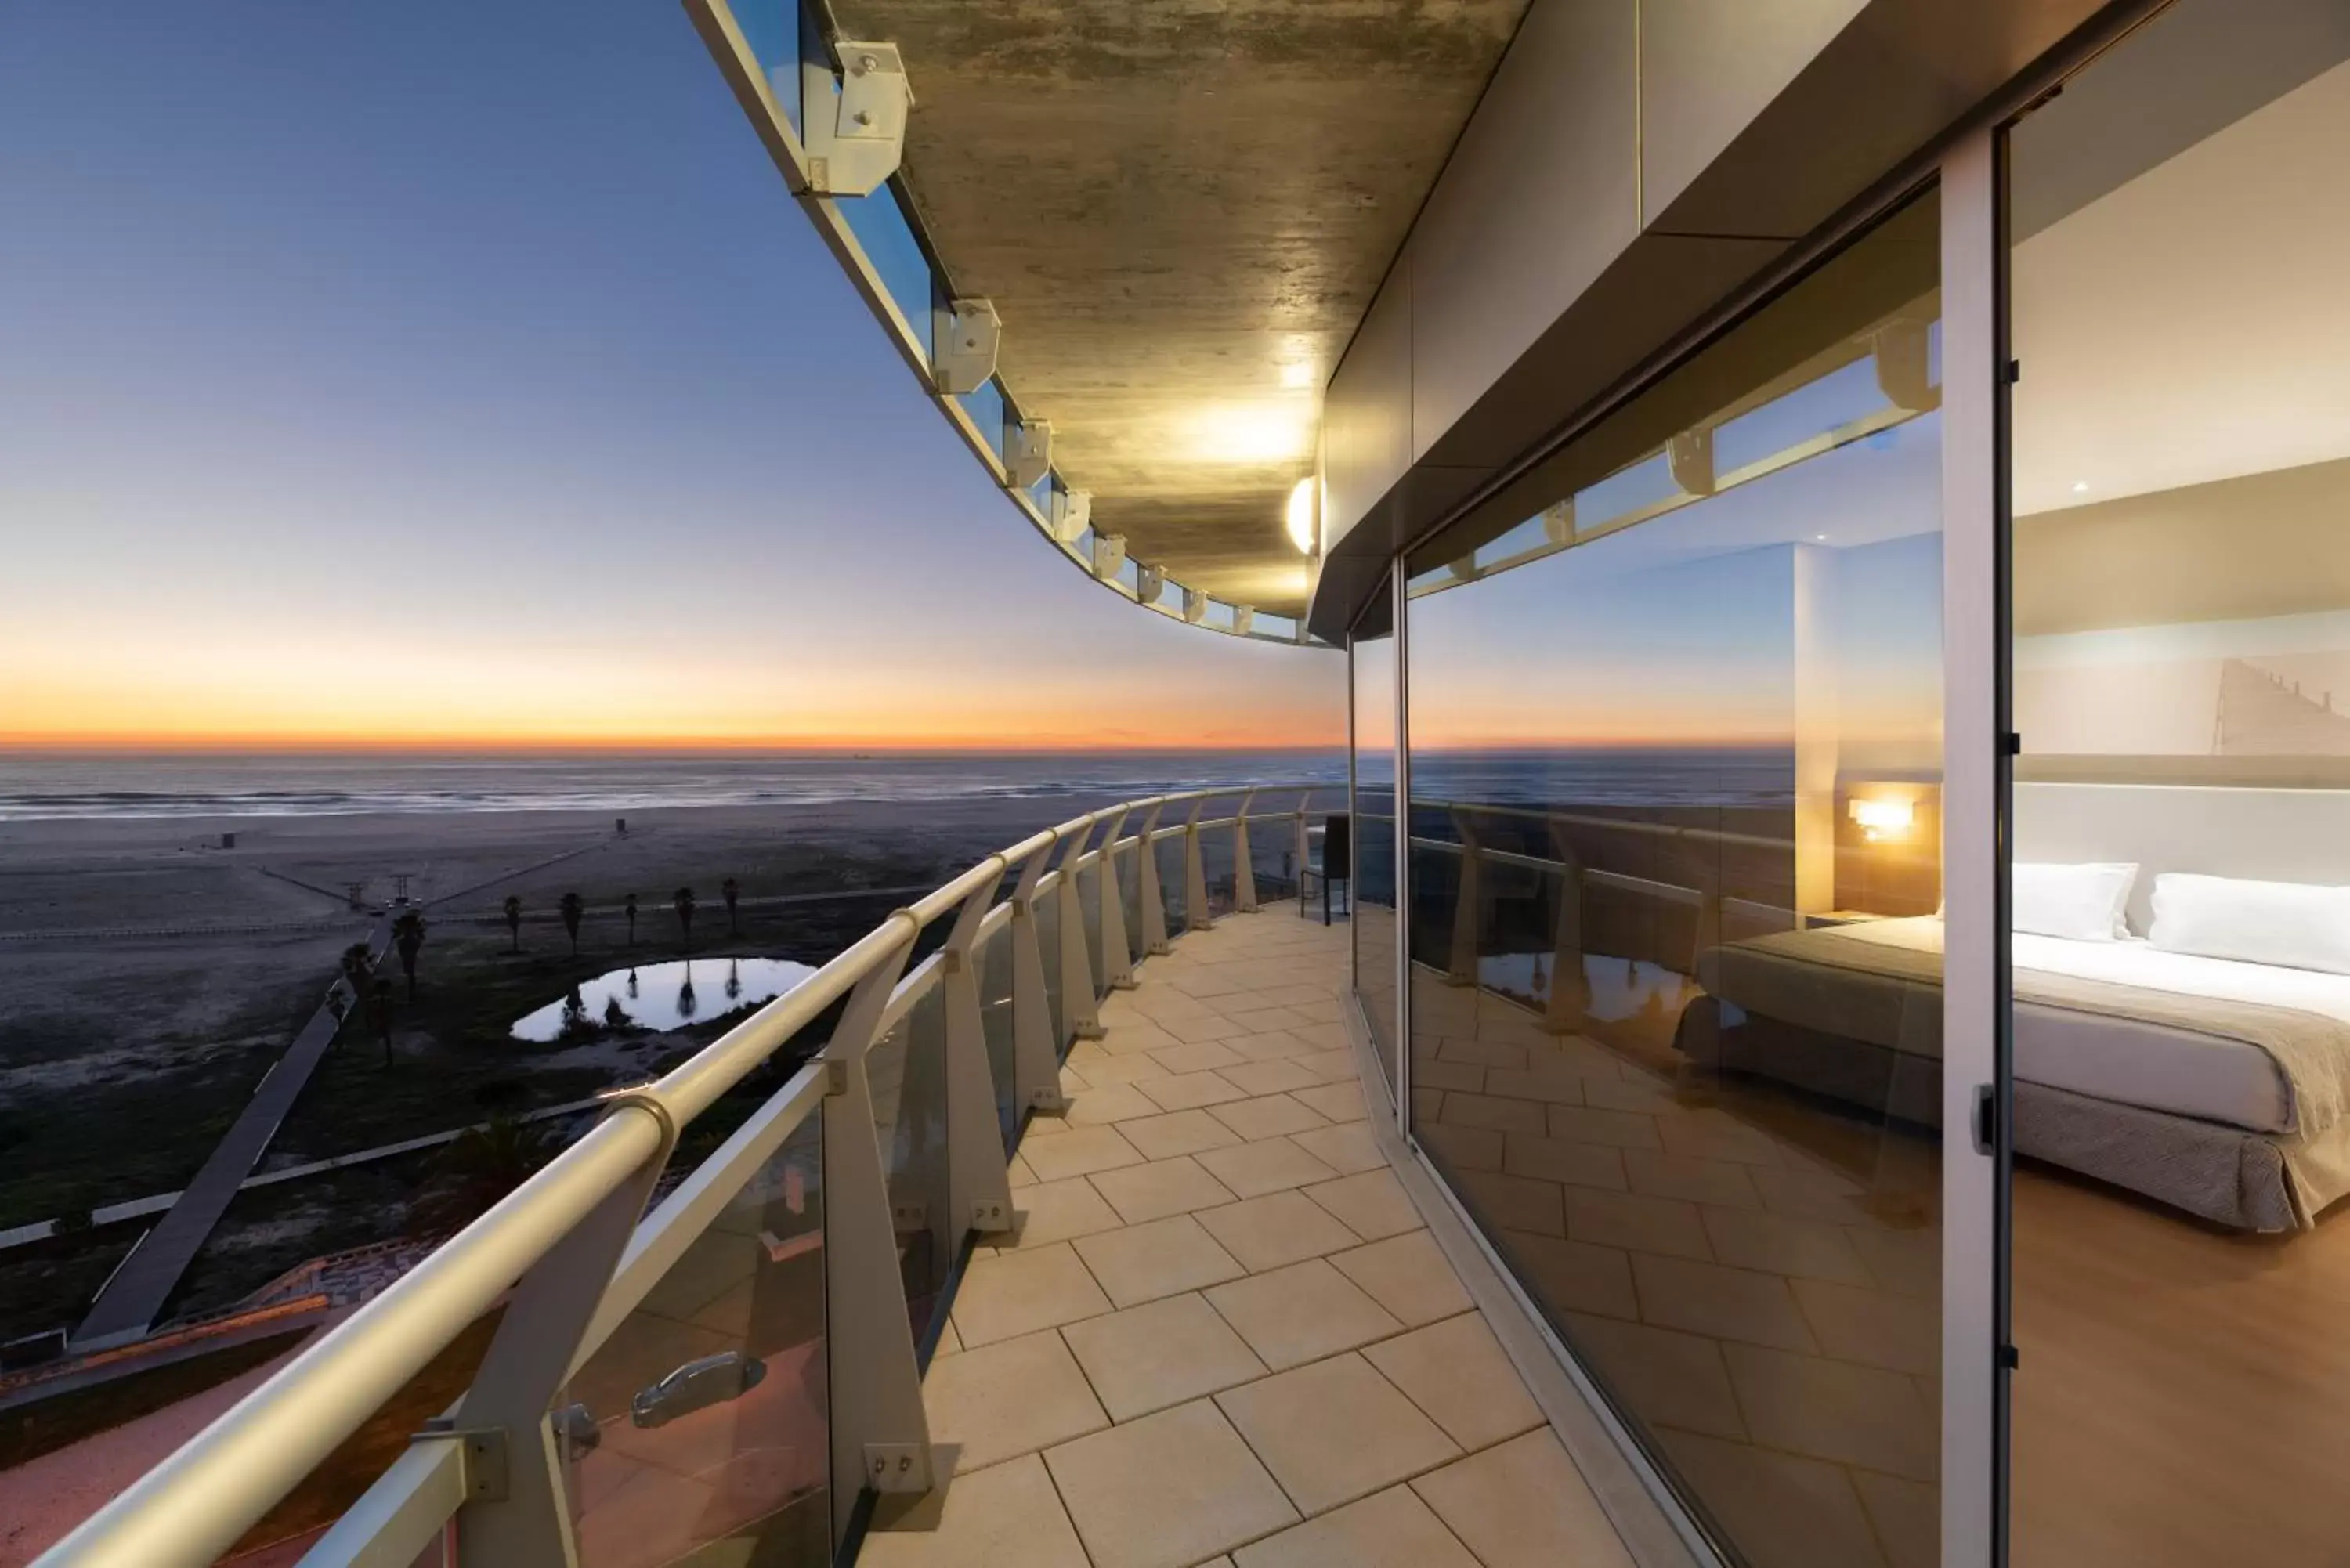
{"type": "Point", "coordinates": [2275, 835]}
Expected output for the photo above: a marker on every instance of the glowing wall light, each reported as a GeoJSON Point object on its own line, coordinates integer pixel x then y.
{"type": "Point", "coordinates": [1301, 515]}
{"type": "Point", "coordinates": [1883, 819]}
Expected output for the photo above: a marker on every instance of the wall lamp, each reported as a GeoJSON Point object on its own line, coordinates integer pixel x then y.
{"type": "Point", "coordinates": [1301, 515]}
{"type": "Point", "coordinates": [1883, 819]}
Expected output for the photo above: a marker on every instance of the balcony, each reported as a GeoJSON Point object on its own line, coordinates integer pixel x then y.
{"type": "Point", "coordinates": [1075, 1242]}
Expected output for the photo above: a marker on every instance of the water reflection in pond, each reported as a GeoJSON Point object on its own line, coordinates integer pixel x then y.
{"type": "Point", "coordinates": [660, 996]}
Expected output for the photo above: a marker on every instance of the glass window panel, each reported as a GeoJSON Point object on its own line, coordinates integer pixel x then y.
{"type": "Point", "coordinates": [1674, 1000]}
{"type": "Point", "coordinates": [701, 1430]}
{"type": "Point", "coordinates": [883, 232]}
{"type": "Point", "coordinates": [2181, 682]}
{"type": "Point", "coordinates": [1372, 901]}
{"type": "Point", "coordinates": [771, 28]}
{"type": "Point", "coordinates": [1277, 626]}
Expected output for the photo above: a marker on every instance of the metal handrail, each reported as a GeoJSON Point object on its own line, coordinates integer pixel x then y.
{"type": "Point", "coordinates": [198, 1502]}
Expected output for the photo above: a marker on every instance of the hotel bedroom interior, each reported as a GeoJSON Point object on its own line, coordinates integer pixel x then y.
{"type": "Point", "coordinates": [1755, 543]}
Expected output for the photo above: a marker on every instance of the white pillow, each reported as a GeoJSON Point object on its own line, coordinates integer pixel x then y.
{"type": "Point", "coordinates": [2290, 924]}
{"type": "Point", "coordinates": [2083, 902]}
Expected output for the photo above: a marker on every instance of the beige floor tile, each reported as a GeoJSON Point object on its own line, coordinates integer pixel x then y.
{"type": "Point", "coordinates": [1636, 1224]}
{"type": "Point", "coordinates": [1523, 1505]}
{"type": "Point", "coordinates": [1156, 998]}
{"type": "Point", "coordinates": [1568, 1277]}
{"type": "Point", "coordinates": [1013, 1294]}
{"type": "Point", "coordinates": [1274, 1045]}
{"type": "Point", "coordinates": [1801, 1249]}
{"type": "Point", "coordinates": [1271, 1165]}
{"type": "Point", "coordinates": [1272, 1078]}
{"type": "Point", "coordinates": [1349, 1148]}
{"type": "Point", "coordinates": [1667, 1379]}
{"type": "Point", "coordinates": [1077, 1151]}
{"type": "Point", "coordinates": [1500, 1114]}
{"type": "Point", "coordinates": [1392, 1529]}
{"type": "Point", "coordinates": [1319, 1012]}
{"type": "Point", "coordinates": [1457, 1373]}
{"type": "Point", "coordinates": [1201, 1057]}
{"type": "Point", "coordinates": [1337, 1102]}
{"type": "Point", "coordinates": [1874, 1327]}
{"type": "Point", "coordinates": [1161, 1353]}
{"type": "Point", "coordinates": [1299, 1313]}
{"type": "Point", "coordinates": [1574, 1164]}
{"type": "Point", "coordinates": [1178, 1132]}
{"type": "Point", "coordinates": [1167, 1490]}
{"type": "Point", "coordinates": [1189, 1091]}
{"type": "Point", "coordinates": [1207, 1027]}
{"type": "Point", "coordinates": [1163, 1187]}
{"type": "Point", "coordinates": [1019, 1174]}
{"type": "Point", "coordinates": [1008, 1516]}
{"type": "Point", "coordinates": [1458, 1148]}
{"type": "Point", "coordinates": [1010, 1398]}
{"type": "Point", "coordinates": [1277, 1230]}
{"type": "Point", "coordinates": [1781, 1508]}
{"type": "Point", "coordinates": [1099, 1107]}
{"type": "Point", "coordinates": [1269, 1116]}
{"type": "Point", "coordinates": [1334, 1431]}
{"type": "Point", "coordinates": [1372, 1204]}
{"type": "Point", "coordinates": [1046, 1127]}
{"type": "Point", "coordinates": [950, 1342]}
{"type": "Point", "coordinates": [1716, 1181]}
{"type": "Point", "coordinates": [1260, 1019]}
{"type": "Point", "coordinates": [1407, 1274]}
{"type": "Point", "coordinates": [1330, 1066]}
{"type": "Point", "coordinates": [1058, 1211]}
{"type": "Point", "coordinates": [1721, 1304]}
{"type": "Point", "coordinates": [1513, 1202]}
{"type": "Point", "coordinates": [1834, 1411]}
{"type": "Point", "coordinates": [1618, 1129]}
{"type": "Point", "coordinates": [1143, 1262]}
{"type": "Point", "coordinates": [1125, 1069]}
{"type": "Point", "coordinates": [1137, 1040]}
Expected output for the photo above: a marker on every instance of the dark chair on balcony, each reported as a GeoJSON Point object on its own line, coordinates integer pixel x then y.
{"type": "Point", "coordinates": [1334, 864]}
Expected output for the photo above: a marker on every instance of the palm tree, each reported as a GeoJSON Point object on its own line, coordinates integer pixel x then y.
{"type": "Point", "coordinates": [572, 909]}
{"type": "Point", "coordinates": [357, 964]}
{"type": "Point", "coordinates": [380, 1015]}
{"type": "Point", "coordinates": [479, 1167]}
{"type": "Point", "coordinates": [683, 899]}
{"type": "Point", "coordinates": [731, 891]}
{"type": "Point", "coordinates": [514, 920]}
{"type": "Point", "coordinates": [630, 905]}
{"type": "Point", "coordinates": [407, 936]}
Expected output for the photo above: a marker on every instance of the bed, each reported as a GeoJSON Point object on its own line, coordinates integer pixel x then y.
{"type": "Point", "coordinates": [2219, 1086]}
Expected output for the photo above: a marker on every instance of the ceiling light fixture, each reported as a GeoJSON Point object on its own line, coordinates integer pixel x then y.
{"type": "Point", "coordinates": [1301, 515]}
{"type": "Point", "coordinates": [2080, 487]}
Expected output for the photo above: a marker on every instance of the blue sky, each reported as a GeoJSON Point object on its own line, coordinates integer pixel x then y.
{"type": "Point", "coordinates": [434, 369]}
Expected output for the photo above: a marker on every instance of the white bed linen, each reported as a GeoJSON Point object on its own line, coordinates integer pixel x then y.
{"type": "Point", "coordinates": [2146, 1064]}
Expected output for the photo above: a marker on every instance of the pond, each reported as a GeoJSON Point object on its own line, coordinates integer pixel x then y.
{"type": "Point", "coordinates": [660, 996]}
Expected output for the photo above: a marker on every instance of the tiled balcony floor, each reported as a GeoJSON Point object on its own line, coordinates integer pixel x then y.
{"type": "Point", "coordinates": [1223, 1336]}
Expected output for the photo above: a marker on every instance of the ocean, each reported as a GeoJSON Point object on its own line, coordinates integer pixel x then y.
{"type": "Point", "coordinates": [58, 786]}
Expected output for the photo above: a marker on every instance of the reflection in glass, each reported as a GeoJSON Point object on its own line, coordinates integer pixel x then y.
{"type": "Point", "coordinates": [1373, 895]}
{"type": "Point", "coordinates": [700, 1430]}
{"type": "Point", "coordinates": [1675, 970]}
{"type": "Point", "coordinates": [2181, 681]}
{"type": "Point", "coordinates": [878, 222]}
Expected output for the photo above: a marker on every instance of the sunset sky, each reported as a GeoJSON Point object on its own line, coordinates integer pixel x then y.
{"type": "Point", "coordinates": [441, 373]}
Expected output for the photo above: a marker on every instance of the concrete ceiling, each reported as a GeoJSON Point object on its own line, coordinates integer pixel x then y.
{"type": "Point", "coordinates": [1180, 210]}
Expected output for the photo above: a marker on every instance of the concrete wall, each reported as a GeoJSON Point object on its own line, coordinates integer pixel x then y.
{"type": "Point", "coordinates": [1632, 163]}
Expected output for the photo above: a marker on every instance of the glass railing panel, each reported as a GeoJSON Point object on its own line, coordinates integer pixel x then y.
{"type": "Point", "coordinates": [991, 962]}
{"type": "Point", "coordinates": [907, 1070]}
{"type": "Point", "coordinates": [700, 1430]}
{"type": "Point", "coordinates": [771, 28]}
{"type": "Point", "coordinates": [878, 222]}
{"type": "Point", "coordinates": [985, 408]}
{"type": "Point", "coordinates": [1170, 854]}
{"type": "Point", "coordinates": [1089, 903]}
{"type": "Point", "coordinates": [356, 1463]}
{"type": "Point", "coordinates": [1273, 857]}
{"type": "Point", "coordinates": [1216, 860]}
{"type": "Point", "coordinates": [1281, 626]}
{"type": "Point", "coordinates": [1130, 897]}
{"type": "Point", "coordinates": [1049, 946]}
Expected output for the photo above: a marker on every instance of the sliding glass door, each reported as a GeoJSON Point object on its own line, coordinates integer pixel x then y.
{"type": "Point", "coordinates": [2178, 220]}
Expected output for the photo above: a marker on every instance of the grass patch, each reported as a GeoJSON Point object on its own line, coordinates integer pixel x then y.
{"type": "Point", "coordinates": [29, 1431]}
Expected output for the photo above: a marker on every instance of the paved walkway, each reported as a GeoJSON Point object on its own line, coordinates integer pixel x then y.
{"type": "Point", "coordinates": [1224, 1336]}
{"type": "Point", "coordinates": [128, 1305]}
